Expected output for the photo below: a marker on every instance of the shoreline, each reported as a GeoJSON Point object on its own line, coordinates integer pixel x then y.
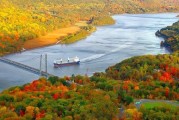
{"type": "Point", "coordinates": [51, 38]}
{"type": "Point", "coordinates": [60, 38]}
{"type": "Point", "coordinates": [161, 33]}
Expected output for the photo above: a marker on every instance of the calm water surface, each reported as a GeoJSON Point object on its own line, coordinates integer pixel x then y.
{"type": "Point", "coordinates": [131, 35]}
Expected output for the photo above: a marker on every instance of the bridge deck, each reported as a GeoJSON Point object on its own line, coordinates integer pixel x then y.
{"type": "Point", "coordinates": [25, 67]}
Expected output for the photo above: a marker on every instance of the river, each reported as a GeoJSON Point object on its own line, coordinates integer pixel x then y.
{"type": "Point", "coordinates": [132, 35]}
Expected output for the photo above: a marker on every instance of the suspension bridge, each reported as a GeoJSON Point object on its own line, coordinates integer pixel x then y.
{"type": "Point", "coordinates": [27, 68]}
{"type": "Point", "coordinates": [32, 69]}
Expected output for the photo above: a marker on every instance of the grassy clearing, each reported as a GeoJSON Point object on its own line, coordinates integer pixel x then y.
{"type": "Point", "coordinates": [50, 38]}
{"type": "Point", "coordinates": [150, 105]}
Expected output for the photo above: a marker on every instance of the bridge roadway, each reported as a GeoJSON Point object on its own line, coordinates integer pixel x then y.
{"type": "Point", "coordinates": [25, 67]}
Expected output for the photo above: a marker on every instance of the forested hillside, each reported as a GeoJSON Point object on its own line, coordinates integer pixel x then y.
{"type": "Point", "coordinates": [146, 67]}
{"type": "Point", "coordinates": [22, 20]}
{"type": "Point", "coordinates": [100, 96]}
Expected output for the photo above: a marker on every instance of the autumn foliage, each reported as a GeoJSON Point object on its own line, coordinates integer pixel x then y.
{"type": "Point", "coordinates": [99, 96]}
{"type": "Point", "coordinates": [56, 98]}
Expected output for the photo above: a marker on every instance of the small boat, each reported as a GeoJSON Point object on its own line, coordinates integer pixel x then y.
{"type": "Point", "coordinates": [70, 61]}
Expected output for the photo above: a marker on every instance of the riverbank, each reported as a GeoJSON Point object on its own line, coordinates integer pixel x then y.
{"type": "Point", "coordinates": [68, 35]}
{"type": "Point", "coordinates": [55, 37]}
{"type": "Point", "coordinates": [83, 33]}
{"type": "Point", "coordinates": [170, 36]}
{"type": "Point", "coordinates": [50, 38]}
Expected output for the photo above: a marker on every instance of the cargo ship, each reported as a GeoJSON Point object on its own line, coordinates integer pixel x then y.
{"type": "Point", "coordinates": [69, 62]}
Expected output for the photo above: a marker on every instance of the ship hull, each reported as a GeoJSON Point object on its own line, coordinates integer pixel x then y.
{"type": "Point", "coordinates": [66, 64]}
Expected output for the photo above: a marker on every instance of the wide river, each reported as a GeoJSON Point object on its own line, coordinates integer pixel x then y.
{"type": "Point", "coordinates": [133, 34]}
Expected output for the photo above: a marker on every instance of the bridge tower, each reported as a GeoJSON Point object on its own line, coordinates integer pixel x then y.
{"type": "Point", "coordinates": [41, 64]}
